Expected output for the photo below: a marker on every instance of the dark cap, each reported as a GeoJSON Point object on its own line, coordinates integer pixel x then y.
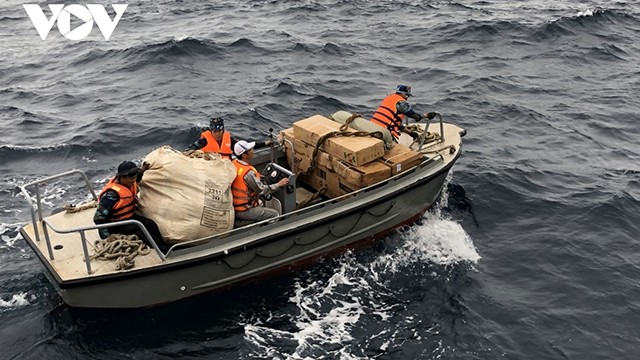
{"type": "Point", "coordinates": [216, 123]}
{"type": "Point", "coordinates": [404, 90]}
{"type": "Point", "coordinates": [128, 168]}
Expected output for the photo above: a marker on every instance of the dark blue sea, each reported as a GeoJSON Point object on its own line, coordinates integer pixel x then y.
{"type": "Point", "coordinates": [532, 251]}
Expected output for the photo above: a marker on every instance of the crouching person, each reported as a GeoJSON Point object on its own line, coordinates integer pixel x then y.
{"type": "Point", "coordinates": [118, 201]}
{"type": "Point", "coordinates": [247, 187]}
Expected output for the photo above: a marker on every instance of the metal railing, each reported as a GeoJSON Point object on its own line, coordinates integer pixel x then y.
{"type": "Point", "coordinates": [36, 217]}
{"type": "Point", "coordinates": [425, 132]}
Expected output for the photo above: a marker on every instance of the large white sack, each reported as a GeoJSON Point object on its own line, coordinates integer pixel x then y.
{"type": "Point", "coordinates": [188, 197]}
{"type": "Point", "coordinates": [364, 125]}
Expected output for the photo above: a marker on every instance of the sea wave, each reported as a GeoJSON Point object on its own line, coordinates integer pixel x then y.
{"type": "Point", "coordinates": [357, 293]}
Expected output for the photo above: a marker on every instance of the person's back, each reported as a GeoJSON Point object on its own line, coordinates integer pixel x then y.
{"type": "Point", "coordinates": [393, 110]}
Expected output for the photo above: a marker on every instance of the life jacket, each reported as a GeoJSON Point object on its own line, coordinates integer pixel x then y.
{"type": "Point", "coordinates": [128, 199]}
{"type": "Point", "coordinates": [387, 116]}
{"type": "Point", "coordinates": [243, 197]}
{"type": "Point", "coordinates": [223, 149]}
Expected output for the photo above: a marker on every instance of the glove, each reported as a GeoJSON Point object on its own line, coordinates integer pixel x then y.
{"type": "Point", "coordinates": [431, 115]}
{"type": "Point", "coordinates": [281, 138]}
{"type": "Point", "coordinates": [414, 135]}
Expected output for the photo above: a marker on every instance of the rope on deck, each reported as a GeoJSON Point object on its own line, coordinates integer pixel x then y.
{"type": "Point", "coordinates": [199, 154]}
{"type": "Point", "coordinates": [72, 208]}
{"type": "Point", "coordinates": [431, 137]}
{"type": "Point", "coordinates": [122, 248]}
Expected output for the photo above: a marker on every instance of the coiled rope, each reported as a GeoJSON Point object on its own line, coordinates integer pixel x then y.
{"type": "Point", "coordinates": [122, 248]}
{"type": "Point", "coordinates": [431, 137]}
{"type": "Point", "coordinates": [199, 154]}
{"type": "Point", "coordinates": [71, 208]}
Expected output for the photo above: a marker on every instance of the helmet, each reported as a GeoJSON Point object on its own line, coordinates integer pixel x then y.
{"type": "Point", "coordinates": [216, 123]}
{"type": "Point", "coordinates": [404, 90]}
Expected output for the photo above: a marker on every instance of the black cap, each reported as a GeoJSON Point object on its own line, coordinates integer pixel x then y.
{"type": "Point", "coordinates": [128, 168]}
{"type": "Point", "coordinates": [216, 123]}
{"type": "Point", "coordinates": [404, 90]}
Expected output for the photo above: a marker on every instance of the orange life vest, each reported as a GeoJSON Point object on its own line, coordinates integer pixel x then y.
{"type": "Point", "coordinates": [387, 116]}
{"type": "Point", "coordinates": [126, 205]}
{"type": "Point", "coordinates": [243, 197]}
{"type": "Point", "coordinates": [223, 149]}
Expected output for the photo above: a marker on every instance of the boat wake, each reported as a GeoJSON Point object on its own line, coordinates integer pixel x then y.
{"type": "Point", "coordinates": [335, 315]}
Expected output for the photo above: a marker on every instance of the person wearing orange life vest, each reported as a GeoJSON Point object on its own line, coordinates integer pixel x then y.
{"type": "Point", "coordinates": [217, 140]}
{"type": "Point", "coordinates": [247, 188]}
{"type": "Point", "coordinates": [118, 201]}
{"type": "Point", "coordinates": [393, 110]}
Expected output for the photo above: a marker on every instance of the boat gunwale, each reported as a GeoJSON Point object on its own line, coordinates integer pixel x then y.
{"type": "Point", "coordinates": [168, 265]}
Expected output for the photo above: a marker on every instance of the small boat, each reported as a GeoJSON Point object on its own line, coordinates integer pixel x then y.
{"type": "Point", "coordinates": [64, 241]}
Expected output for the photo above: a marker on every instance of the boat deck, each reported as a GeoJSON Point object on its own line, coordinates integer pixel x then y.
{"type": "Point", "coordinates": [67, 250]}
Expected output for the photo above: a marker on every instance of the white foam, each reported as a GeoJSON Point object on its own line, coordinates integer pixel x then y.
{"type": "Point", "coordinates": [6, 239]}
{"type": "Point", "coordinates": [587, 12]}
{"type": "Point", "coordinates": [88, 159]}
{"type": "Point", "coordinates": [180, 38]}
{"type": "Point", "coordinates": [17, 300]}
{"type": "Point", "coordinates": [329, 309]}
{"type": "Point", "coordinates": [35, 148]}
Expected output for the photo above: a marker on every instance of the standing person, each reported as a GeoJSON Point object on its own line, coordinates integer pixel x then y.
{"type": "Point", "coordinates": [217, 140]}
{"type": "Point", "coordinates": [394, 108]}
{"type": "Point", "coordinates": [118, 201]}
{"type": "Point", "coordinates": [247, 187]}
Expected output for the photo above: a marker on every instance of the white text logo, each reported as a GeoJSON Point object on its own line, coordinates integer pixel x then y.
{"type": "Point", "coordinates": [88, 13]}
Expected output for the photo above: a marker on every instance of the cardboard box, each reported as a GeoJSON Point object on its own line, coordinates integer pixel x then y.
{"type": "Point", "coordinates": [356, 150]}
{"type": "Point", "coordinates": [362, 176]}
{"type": "Point", "coordinates": [346, 178]}
{"type": "Point", "coordinates": [299, 158]}
{"type": "Point", "coordinates": [311, 129]}
{"type": "Point", "coordinates": [401, 158]}
{"type": "Point", "coordinates": [320, 177]}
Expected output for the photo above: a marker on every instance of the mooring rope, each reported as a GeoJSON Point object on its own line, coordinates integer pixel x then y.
{"type": "Point", "coordinates": [122, 248]}
{"type": "Point", "coordinates": [72, 208]}
{"type": "Point", "coordinates": [199, 154]}
{"type": "Point", "coordinates": [316, 195]}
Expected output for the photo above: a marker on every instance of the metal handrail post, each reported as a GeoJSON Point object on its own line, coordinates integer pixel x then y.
{"type": "Point", "coordinates": [293, 155]}
{"type": "Point", "coordinates": [108, 225]}
{"type": "Point", "coordinates": [38, 202]}
{"type": "Point", "coordinates": [33, 213]}
{"type": "Point", "coordinates": [441, 128]}
{"type": "Point", "coordinates": [85, 250]}
{"type": "Point", "coordinates": [46, 238]}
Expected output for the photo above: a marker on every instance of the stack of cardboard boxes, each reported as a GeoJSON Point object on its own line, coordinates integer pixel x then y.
{"type": "Point", "coordinates": [342, 163]}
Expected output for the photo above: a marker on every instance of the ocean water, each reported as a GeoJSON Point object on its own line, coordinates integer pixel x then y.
{"type": "Point", "coordinates": [531, 252]}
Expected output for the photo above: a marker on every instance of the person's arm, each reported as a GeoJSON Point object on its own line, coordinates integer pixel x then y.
{"type": "Point", "coordinates": [254, 183]}
{"type": "Point", "coordinates": [198, 144]}
{"type": "Point", "coordinates": [405, 108]}
{"type": "Point", "coordinates": [143, 168]}
{"type": "Point", "coordinates": [259, 144]}
{"type": "Point", "coordinates": [262, 144]}
{"type": "Point", "coordinates": [101, 216]}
